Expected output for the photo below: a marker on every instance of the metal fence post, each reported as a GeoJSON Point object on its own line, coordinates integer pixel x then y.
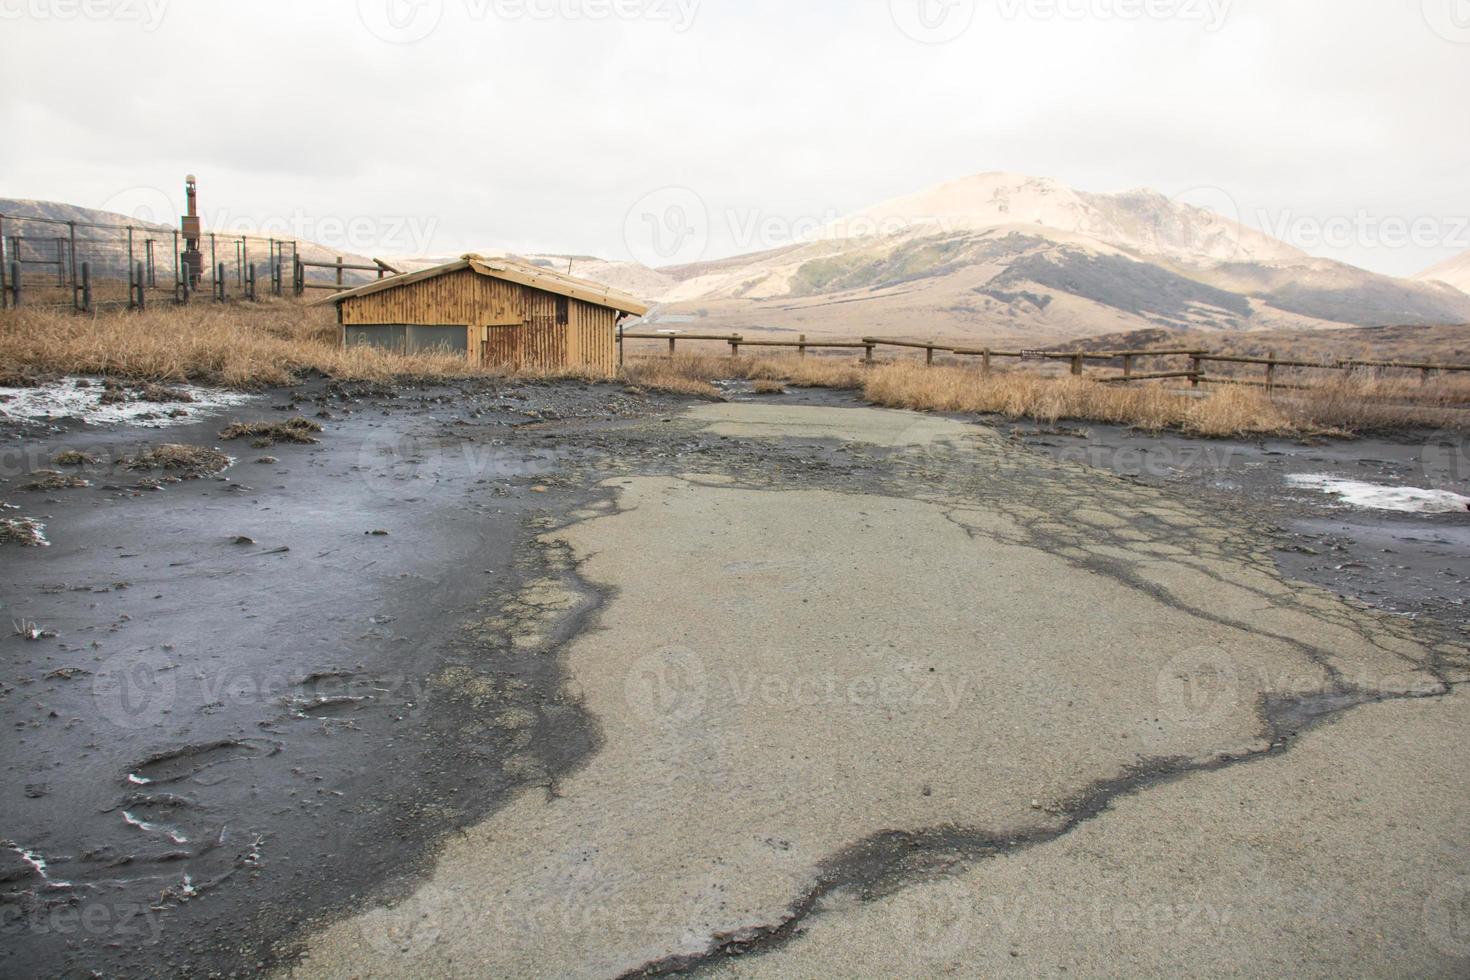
{"type": "Point", "coordinates": [15, 290]}
{"type": "Point", "coordinates": [61, 262]}
{"type": "Point", "coordinates": [72, 227]}
{"type": "Point", "coordinates": [219, 282]}
{"type": "Point", "coordinates": [86, 287]}
{"type": "Point", "coordinates": [142, 290]}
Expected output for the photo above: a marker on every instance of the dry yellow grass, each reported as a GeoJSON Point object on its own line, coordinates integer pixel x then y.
{"type": "Point", "coordinates": [272, 344]}
{"type": "Point", "coordinates": [1351, 403]}
{"type": "Point", "coordinates": [277, 341]}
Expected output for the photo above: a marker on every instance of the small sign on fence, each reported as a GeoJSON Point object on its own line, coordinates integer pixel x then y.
{"type": "Point", "coordinates": [1033, 355]}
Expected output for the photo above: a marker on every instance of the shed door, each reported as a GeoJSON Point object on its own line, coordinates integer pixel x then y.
{"type": "Point", "coordinates": [504, 344]}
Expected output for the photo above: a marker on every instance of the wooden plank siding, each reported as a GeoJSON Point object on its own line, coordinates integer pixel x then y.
{"type": "Point", "coordinates": [505, 323]}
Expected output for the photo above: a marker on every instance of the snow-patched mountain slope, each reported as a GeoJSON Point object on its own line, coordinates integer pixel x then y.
{"type": "Point", "coordinates": [1141, 221]}
{"type": "Point", "coordinates": [1455, 272]}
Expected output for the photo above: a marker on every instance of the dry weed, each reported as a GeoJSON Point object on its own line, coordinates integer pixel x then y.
{"type": "Point", "coordinates": [189, 462]}
{"type": "Point", "coordinates": [23, 531]}
{"type": "Point", "coordinates": [263, 435]}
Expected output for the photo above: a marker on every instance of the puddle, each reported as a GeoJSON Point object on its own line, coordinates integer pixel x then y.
{"type": "Point", "coordinates": [82, 399]}
{"type": "Point", "coordinates": [1376, 496]}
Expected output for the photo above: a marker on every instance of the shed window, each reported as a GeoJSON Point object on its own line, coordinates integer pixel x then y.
{"type": "Point", "coordinates": [563, 311]}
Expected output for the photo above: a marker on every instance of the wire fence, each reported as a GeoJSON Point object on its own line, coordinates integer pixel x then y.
{"type": "Point", "coordinates": [82, 265]}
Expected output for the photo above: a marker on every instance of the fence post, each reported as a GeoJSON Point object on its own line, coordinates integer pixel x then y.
{"type": "Point", "coordinates": [868, 356]}
{"type": "Point", "coordinates": [1424, 376]}
{"type": "Point", "coordinates": [339, 273]}
{"type": "Point", "coordinates": [801, 346]}
{"type": "Point", "coordinates": [929, 355]}
{"type": "Point", "coordinates": [142, 292]}
{"type": "Point", "coordinates": [72, 228]}
{"type": "Point", "coordinates": [735, 345]}
{"type": "Point", "coordinates": [86, 287]}
{"type": "Point", "coordinates": [219, 282]}
{"type": "Point", "coordinates": [1127, 365]}
{"type": "Point", "coordinates": [1196, 369]}
{"type": "Point", "coordinates": [61, 262]}
{"type": "Point", "coordinates": [1270, 371]}
{"type": "Point", "coordinates": [671, 347]}
{"type": "Point", "coordinates": [985, 362]}
{"type": "Point", "coordinates": [1077, 365]}
{"type": "Point", "coordinates": [15, 290]}
{"type": "Point", "coordinates": [183, 287]}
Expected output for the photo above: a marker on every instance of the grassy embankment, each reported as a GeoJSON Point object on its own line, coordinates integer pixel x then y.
{"type": "Point", "coordinates": [277, 342]}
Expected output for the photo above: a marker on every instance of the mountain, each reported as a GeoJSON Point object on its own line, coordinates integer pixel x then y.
{"type": "Point", "coordinates": [1456, 272]}
{"type": "Point", "coordinates": [106, 247]}
{"type": "Point", "coordinates": [1007, 257]}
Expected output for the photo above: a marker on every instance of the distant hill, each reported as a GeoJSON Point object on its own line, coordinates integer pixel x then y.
{"type": "Point", "coordinates": [1002, 256]}
{"type": "Point", "coordinates": [1455, 272]}
{"type": "Point", "coordinates": [106, 248]}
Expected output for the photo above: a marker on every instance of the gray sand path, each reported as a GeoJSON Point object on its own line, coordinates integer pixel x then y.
{"type": "Point", "coordinates": [797, 687]}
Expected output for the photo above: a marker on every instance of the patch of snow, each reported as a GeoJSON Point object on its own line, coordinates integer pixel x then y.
{"type": "Point", "coordinates": [37, 861]}
{"type": "Point", "coordinates": [1375, 496]}
{"type": "Point", "coordinates": [81, 398]}
{"type": "Point", "coordinates": [154, 828]}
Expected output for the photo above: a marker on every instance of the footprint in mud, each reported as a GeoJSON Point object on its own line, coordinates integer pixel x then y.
{"type": "Point", "coordinates": [188, 762]}
{"type": "Point", "coordinates": [334, 706]}
{"type": "Point", "coordinates": [336, 693]}
{"type": "Point", "coordinates": [171, 819]}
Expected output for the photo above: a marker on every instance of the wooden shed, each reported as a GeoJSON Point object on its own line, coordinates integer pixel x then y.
{"type": "Point", "coordinates": [495, 311]}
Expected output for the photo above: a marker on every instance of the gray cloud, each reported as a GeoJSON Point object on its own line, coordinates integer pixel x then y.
{"type": "Point", "coordinates": [537, 124]}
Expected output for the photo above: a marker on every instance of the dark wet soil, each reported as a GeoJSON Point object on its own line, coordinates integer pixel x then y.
{"type": "Point", "coordinates": [255, 697]}
{"type": "Point", "coordinates": [1414, 564]}
{"type": "Point", "coordinates": [268, 693]}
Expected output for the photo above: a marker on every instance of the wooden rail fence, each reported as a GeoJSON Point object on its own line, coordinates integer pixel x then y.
{"type": "Point", "coordinates": [300, 284]}
{"type": "Point", "coordinates": [1196, 373]}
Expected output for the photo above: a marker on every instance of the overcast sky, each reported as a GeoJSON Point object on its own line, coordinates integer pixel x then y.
{"type": "Point", "coordinates": [438, 126]}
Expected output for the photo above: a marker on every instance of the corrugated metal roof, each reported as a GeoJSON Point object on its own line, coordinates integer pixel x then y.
{"type": "Point", "coordinates": [511, 271]}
